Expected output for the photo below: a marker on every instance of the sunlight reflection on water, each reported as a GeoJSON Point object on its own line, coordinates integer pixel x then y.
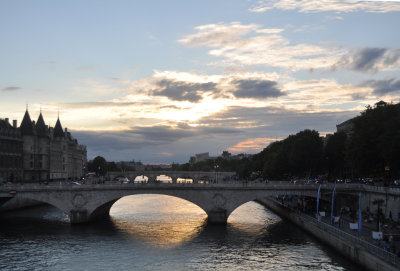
{"type": "Point", "coordinates": [158, 220]}
{"type": "Point", "coordinates": [167, 221]}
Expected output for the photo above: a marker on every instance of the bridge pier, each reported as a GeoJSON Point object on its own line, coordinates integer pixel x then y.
{"type": "Point", "coordinates": [78, 216]}
{"type": "Point", "coordinates": [217, 217]}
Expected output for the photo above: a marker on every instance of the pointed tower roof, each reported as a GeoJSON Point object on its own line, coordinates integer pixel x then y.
{"type": "Point", "coordinates": [41, 128]}
{"type": "Point", "coordinates": [26, 124]}
{"type": "Point", "coordinates": [58, 130]}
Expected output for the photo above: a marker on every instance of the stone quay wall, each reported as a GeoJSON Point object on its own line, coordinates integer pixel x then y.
{"type": "Point", "coordinates": [359, 251]}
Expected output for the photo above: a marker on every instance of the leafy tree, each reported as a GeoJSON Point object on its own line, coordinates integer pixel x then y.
{"type": "Point", "coordinates": [98, 165]}
{"type": "Point", "coordinates": [112, 166]}
{"type": "Point", "coordinates": [335, 154]}
{"type": "Point", "coordinates": [276, 162]}
{"type": "Point", "coordinates": [375, 141]}
{"type": "Point", "coordinates": [306, 152]}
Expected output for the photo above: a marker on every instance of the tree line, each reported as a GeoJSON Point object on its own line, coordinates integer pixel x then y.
{"type": "Point", "coordinates": [370, 149]}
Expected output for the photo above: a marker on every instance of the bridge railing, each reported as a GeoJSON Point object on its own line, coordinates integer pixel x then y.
{"type": "Point", "coordinates": [277, 185]}
{"type": "Point", "coordinates": [371, 248]}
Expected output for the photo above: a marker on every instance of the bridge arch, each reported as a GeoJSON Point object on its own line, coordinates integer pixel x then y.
{"type": "Point", "coordinates": [103, 210]}
{"type": "Point", "coordinates": [46, 199]}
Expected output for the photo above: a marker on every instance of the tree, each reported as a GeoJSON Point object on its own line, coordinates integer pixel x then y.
{"type": "Point", "coordinates": [99, 166]}
{"type": "Point", "coordinates": [335, 154]}
{"type": "Point", "coordinates": [275, 162]}
{"type": "Point", "coordinates": [112, 166]}
{"type": "Point", "coordinates": [375, 140]}
{"type": "Point", "coordinates": [306, 152]}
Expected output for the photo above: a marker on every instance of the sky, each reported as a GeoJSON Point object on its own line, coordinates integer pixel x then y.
{"type": "Point", "coordinates": [158, 81]}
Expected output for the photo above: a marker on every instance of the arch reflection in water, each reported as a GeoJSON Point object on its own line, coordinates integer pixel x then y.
{"type": "Point", "coordinates": [158, 220]}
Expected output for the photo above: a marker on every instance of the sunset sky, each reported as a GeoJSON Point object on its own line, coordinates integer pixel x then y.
{"type": "Point", "coordinates": [159, 81]}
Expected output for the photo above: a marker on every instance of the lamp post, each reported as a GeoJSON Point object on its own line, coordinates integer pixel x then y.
{"type": "Point", "coordinates": [216, 173]}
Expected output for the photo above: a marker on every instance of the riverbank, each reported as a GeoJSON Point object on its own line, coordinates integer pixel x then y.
{"type": "Point", "coordinates": [359, 251]}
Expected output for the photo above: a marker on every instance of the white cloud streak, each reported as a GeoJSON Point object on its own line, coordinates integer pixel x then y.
{"type": "Point", "coordinates": [252, 45]}
{"type": "Point", "coordinates": [313, 6]}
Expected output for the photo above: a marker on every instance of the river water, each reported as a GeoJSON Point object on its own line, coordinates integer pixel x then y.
{"type": "Point", "coordinates": [154, 232]}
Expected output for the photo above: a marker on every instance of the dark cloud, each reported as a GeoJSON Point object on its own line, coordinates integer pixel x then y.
{"type": "Point", "coordinates": [391, 57]}
{"type": "Point", "coordinates": [256, 89]}
{"type": "Point", "coordinates": [183, 91]}
{"type": "Point", "coordinates": [161, 134]}
{"type": "Point", "coordinates": [166, 134]}
{"type": "Point", "coordinates": [276, 122]}
{"type": "Point", "coordinates": [358, 96]}
{"type": "Point", "coordinates": [139, 140]}
{"type": "Point", "coordinates": [11, 88]}
{"type": "Point", "coordinates": [382, 87]}
{"type": "Point", "coordinates": [368, 59]}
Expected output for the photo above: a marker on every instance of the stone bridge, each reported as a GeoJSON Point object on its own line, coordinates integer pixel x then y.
{"type": "Point", "coordinates": [84, 203]}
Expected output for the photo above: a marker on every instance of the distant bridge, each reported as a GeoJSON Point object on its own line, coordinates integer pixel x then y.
{"type": "Point", "coordinates": [88, 202]}
{"type": "Point", "coordinates": [212, 176]}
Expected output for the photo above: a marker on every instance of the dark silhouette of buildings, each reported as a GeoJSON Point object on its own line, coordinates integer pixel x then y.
{"type": "Point", "coordinates": [10, 151]}
{"type": "Point", "coordinates": [36, 152]}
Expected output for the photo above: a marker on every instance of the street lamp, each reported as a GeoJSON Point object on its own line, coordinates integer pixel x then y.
{"type": "Point", "coordinates": [216, 173]}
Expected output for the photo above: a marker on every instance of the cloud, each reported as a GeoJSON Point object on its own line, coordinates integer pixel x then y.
{"type": "Point", "coordinates": [276, 121]}
{"type": "Point", "coordinates": [119, 80]}
{"type": "Point", "coordinates": [256, 89]}
{"type": "Point", "coordinates": [182, 91]}
{"type": "Point", "coordinates": [191, 87]}
{"type": "Point", "coordinates": [338, 6]}
{"type": "Point", "coordinates": [98, 87]}
{"type": "Point", "coordinates": [368, 59]}
{"type": "Point", "coordinates": [325, 93]}
{"type": "Point", "coordinates": [240, 44]}
{"type": "Point", "coordinates": [143, 139]}
{"type": "Point", "coordinates": [236, 128]}
{"type": "Point", "coordinates": [383, 87]}
{"type": "Point", "coordinates": [251, 145]}
{"type": "Point", "coordinates": [11, 88]}
{"type": "Point", "coordinates": [79, 105]}
{"type": "Point", "coordinates": [217, 34]}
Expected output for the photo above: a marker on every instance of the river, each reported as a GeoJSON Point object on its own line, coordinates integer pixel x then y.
{"type": "Point", "coordinates": [154, 232]}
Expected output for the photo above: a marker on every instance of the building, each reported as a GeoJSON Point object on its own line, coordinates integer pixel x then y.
{"type": "Point", "coordinates": [225, 155]}
{"type": "Point", "coordinates": [50, 153]}
{"type": "Point", "coordinates": [346, 127]}
{"type": "Point", "coordinates": [200, 157]}
{"type": "Point", "coordinates": [10, 151]}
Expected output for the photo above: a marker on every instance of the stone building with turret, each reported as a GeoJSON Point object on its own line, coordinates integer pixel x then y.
{"type": "Point", "coordinates": [50, 153]}
{"type": "Point", "coordinates": [10, 151]}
